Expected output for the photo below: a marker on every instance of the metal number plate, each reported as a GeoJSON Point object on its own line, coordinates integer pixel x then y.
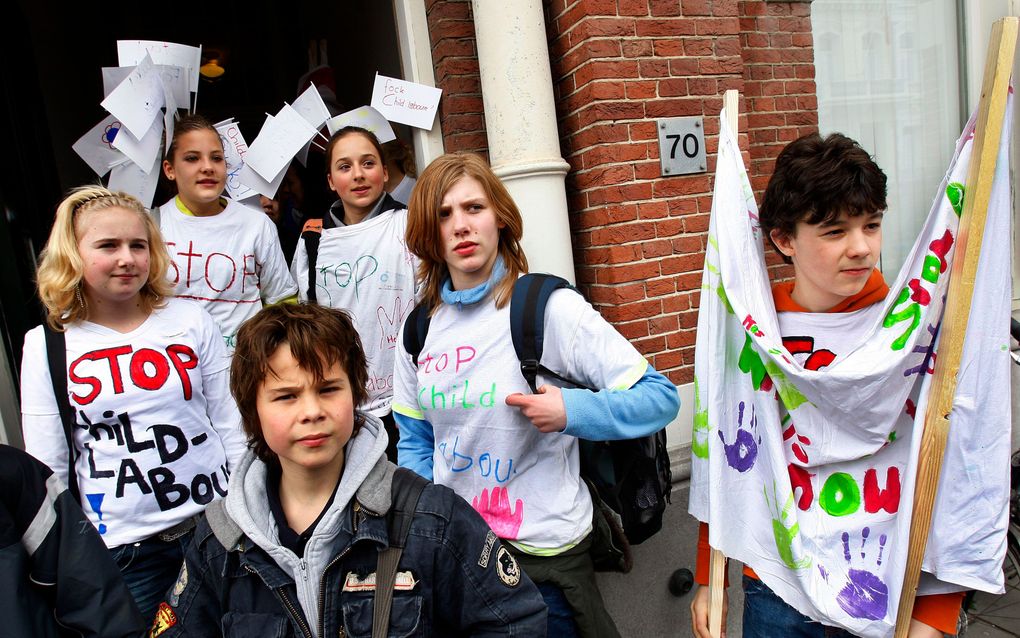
{"type": "Point", "coordinates": [681, 145]}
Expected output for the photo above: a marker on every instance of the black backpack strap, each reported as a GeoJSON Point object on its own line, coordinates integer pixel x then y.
{"type": "Point", "coordinates": [404, 493]}
{"type": "Point", "coordinates": [527, 324]}
{"type": "Point", "coordinates": [311, 234]}
{"type": "Point", "coordinates": [416, 328]}
{"type": "Point", "coordinates": [56, 356]}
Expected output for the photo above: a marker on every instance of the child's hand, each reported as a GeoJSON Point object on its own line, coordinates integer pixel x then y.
{"type": "Point", "coordinates": [544, 409]}
{"type": "Point", "coordinates": [920, 630]}
{"type": "Point", "coordinates": [699, 612]}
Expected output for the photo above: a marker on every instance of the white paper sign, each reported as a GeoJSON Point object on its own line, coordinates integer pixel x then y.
{"type": "Point", "coordinates": [311, 107]}
{"type": "Point", "coordinates": [279, 140]}
{"type": "Point", "coordinates": [364, 117]}
{"type": "Point", "coordinates": [406, 102]}
{"type": "Point", "coordinates": [132, 179]}
{"type": "Point", "coordinates": [131, 52]}
{"type": "Point", "coordinates": [174, 78]}
{"type": "Point", "coordinates": [96, 146]}
{"type": "Point", "coordinates": [141, 151]}
{"type": "Point", "coordinates": [137, 100]}
{"type": "Point", "coordinates": [234, 150]}
{"type": "Point", "coordinates": [254, 181]}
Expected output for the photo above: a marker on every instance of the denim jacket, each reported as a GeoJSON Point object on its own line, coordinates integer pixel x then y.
{"type": "Point", "coordinates": [454, 577]}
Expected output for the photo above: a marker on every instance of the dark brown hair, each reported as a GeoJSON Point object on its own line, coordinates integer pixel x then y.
{"type": "Point", "coordinates": [318, 338]}
{"type": "Point", "coordinates": [350, 130]}
{"type": "Point", "coordinates": [423, 236]}
{"type": "Point", "coordinates": [185, 125]}
{"type": "Point", "coordinates": [817, 179]}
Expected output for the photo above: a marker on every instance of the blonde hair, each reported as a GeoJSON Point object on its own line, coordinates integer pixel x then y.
{"type": "Point", "coordinates": [423, 236]}
{"type": "Point", "coordinates": [61, 270]}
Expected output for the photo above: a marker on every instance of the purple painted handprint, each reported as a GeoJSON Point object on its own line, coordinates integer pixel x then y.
{"type": "Point", "coordinates": [495, 509]}
{"type": "Point", "coordinates": [741, 454]}
{"type": "Point", "coordinates": [865, 595]}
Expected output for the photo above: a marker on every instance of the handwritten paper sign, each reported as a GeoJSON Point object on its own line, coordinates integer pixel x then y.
{"type": "Point", "coordinates": [364, 117]}
{"type": "Point", "coordinates": [137, 100]}
{"type": "Point", "coordinates": [234, 150]}
{"type": "Point", "coordinates": [406, 102]}
{"type": "Point", "coordinates": [96, 147]}
{"type": "Point", "coordinates": [311, 107]}
{"type": "Point", "coordinates": [278, 142]}
{"type": "Point", "coordinates": [134, 180]}
{"type": "Point", "coordinates": [131, 52]}
{"type": "Point", "coordinates": [174, 78]}
{"type": "Point", "coordinates": [141, 151]}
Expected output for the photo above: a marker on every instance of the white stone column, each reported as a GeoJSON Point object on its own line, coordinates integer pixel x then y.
{"type": "Point", "coordinates": [520, 122]}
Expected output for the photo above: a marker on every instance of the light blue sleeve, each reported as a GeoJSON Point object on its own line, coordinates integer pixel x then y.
{"type": "Point", "coordinates": [416, 445]}
{"type": "Point", "coordinates": [608, 415]}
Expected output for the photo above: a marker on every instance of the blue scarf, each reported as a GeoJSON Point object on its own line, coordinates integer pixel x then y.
{"type": "Point", "coordinates": [476, 294]}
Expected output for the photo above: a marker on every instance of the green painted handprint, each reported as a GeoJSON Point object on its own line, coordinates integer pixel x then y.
{"type": "Point", "coordinates": [784, 535]}
{"type": "Point", "coordinates": [699, 438]}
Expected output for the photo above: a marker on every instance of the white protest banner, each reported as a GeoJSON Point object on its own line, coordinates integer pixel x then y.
{"type": "Point", "coordinates": [131, 52]}
{"type": "Point", "coordinates": [141, 151]}
{"type": "Point", "coordinates": [137, 100]}
{"type": "Point", "coordinates": [364, 117]}
{"type": "Point", "coordinates": [234, 150]}
{"type": "Point", "coordinates": [137, 181]}
{"type": "Point", "coordinates": [281, 137]}
{"type": "Point", "coordinates": [96, 146]}
{"type": "Point", "coordinates": [406, 102]}
{"type": "Point", "coordinates": [807, 426]}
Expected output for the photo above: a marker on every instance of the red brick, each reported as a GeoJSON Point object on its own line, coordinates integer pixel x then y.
{"type": "Point", "coordinates": [664, 7]}
{"type": "Point", "coordinates": [667, 360]}
{"type": "Point", "coordinates": [696, 47]}
{"type": "Point", "coordinates": [595, 27]}
{"type": "Point", "coordinates": [622, 234]}
{"type": "Point", "coordinates": [640, 89]}
{"type": "Point", "coordinates": [636, 48]}
{"type": "Point", "coordinates": [643, 131]}
{"type": "Point", "coordinates": [727, 46]}
{"type": "Point", "coordinates": [687, 185]}
{"type": "Point", "coordinates": [681, 339]}
{"type": "Point", "coordinates": [632, 7]}
{"type": "Point", "coordinates": [617, 295]}
{"type": "Point", "coordinates": [658, 248]}
{"type": "Point", "coordinates": [648, 170]}
{"type": "Point", "coordinates": [702, 86]}
{"type": "Point", "coordinates": [599, 134]}
{"type": "Point", "coordinates": [717, 26]}
{"type": "Point", "coordinates": [650, 345]}
{"type": "Point", "coordinates": [688, 244]}
{"type": "Point", "coordinates": [624, 273]}
{"type": "Point", "coordinates": [633, 329]}
{"type": "Point", "coordinates": [662, 325]}
{"type": "Point", "coordinates": [673, 88]}
{"type": "Point", "coordinates": [683, 67]}
{"type": "Point", "coordinates": [756, 40]}
{"type": "Point", "coordinates": [696, 223]}
{"type": "Point", "coordinates": [717, 66]}
{"type": "Point", "coordinates": [653, 210]}
{"type": "Point", "coordinates": [604, 175]}
{"type": "Point", "coordinates": [657, 28]}
{"type": "Point", "coordinates": [653, 68]}
{"type": "Point", "coordinates": [608, 111]}
{"type": "Point", "coordinates": [669, 47]}
{"type": "Point", "coordinates": [674, 107]}
{"type": "Point", "coordinates": [632, 311]}
{"type": "Point", "coordinates": [660, 287]}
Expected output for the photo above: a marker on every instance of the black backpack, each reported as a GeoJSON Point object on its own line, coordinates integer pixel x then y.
{"type": "Point", "coordinates": [632, 476]}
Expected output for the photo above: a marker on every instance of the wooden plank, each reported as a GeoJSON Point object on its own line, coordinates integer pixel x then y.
{"type": "Point", "coordinates": [717, 562]}
{"type": "Point", "coordinates": [998, 66]}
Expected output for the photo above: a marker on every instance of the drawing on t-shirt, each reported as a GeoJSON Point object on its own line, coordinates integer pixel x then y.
{"type": "Point", "coordinates": [218, 271]}
{"type": "Point", "coordinates": [915, 294]}
{"type": "Point", "coordinates": [494, 507]}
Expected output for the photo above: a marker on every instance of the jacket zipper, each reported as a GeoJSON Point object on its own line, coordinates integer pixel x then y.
{"type": "Point", "coordinates": [356, 509]}
{"type": "Point", "coordinates": [289, 605]}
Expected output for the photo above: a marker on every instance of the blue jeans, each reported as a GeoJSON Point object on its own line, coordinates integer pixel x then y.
{"type": "Point", "coordinates": [561, 617]}
{"type": "Point", "coordinates": [150, 568]}
{"type": "Point", "coordinates": [766, 615]}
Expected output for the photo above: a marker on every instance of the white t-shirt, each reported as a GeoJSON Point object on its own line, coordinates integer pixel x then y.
{"type": "Point", "coordinates": [157, 429]}
{"type": "Point", "coordinates": [526, 484]}
{"type": "Point", "coordinates": [366, 270]}
{"type": "Point", "coordinates": [229, 262]}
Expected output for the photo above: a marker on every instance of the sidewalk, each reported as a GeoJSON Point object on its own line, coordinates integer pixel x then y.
{"type": "Point", "coordinates": [642, 606]}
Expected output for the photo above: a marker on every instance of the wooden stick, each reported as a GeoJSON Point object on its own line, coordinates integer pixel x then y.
{"type": "Point", "coordinates": [717, 562]}
{"type": "Point", "coordinates": [991, 110]}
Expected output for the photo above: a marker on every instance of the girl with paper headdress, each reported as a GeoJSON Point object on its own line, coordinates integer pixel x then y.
{"type": "Point", "coordinates": [467, 417]}
{"type": "Point", "coordinates": [355, 258]}
{"type": "Point", "coordinates": [138, 418]}
{"type": "Point", "coordinates": [226, 255]}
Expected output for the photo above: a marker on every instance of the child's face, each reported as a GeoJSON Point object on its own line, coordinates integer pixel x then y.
{"type": "Point", "coordinates": [833, 261]}
{"type": "Point", "coordinates": [198, 168]}
{"type": "Point", "coordinates": [306, 422]}
{"type": "Point", "coordinates": [114, 248]}
{"type": "Point", "coordinates": [356, 173]}
{"type": "Point", "coordinates": [470, 233]}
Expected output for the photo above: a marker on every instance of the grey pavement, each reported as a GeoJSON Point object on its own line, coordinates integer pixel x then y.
{"type": "Point", "coordinates": [643, 607]}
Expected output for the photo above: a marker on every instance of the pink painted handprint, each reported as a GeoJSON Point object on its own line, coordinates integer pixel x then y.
{"type": "Point", "coordinates": [495, 509]}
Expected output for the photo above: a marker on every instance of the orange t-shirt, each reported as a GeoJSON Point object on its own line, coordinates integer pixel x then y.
{"type": "Point", "coordinates": [937, 610]}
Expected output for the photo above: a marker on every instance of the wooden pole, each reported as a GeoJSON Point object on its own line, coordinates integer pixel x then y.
{"type": "Point", "coordinates": [977, 193]}
{"type": "Point", "coordinates": [717, 562]}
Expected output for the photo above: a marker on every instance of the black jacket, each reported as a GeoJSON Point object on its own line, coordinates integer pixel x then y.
{"type": "Point", "coordinates": [57, 577]}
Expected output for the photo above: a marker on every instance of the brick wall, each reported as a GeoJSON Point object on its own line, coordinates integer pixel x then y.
{"type": "Point", "coordinates": [455, 57]}
{"type": "Point", "coordinates": [639, 238]}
